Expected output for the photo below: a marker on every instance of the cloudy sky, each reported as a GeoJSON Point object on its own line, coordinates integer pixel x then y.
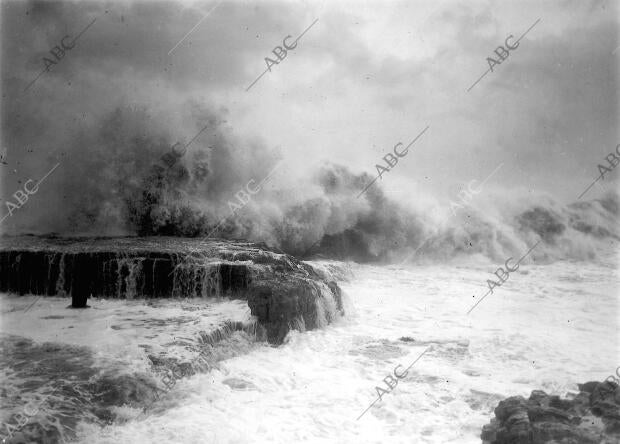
{"type": "Point", "coordinates": [364, 77]}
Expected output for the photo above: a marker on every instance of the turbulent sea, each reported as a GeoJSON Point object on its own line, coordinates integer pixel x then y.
{"type": "Point", "coordinates": [549, 326]}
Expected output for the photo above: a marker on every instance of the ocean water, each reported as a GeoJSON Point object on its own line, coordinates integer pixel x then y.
{"type": "Point", "coordinates": [547, 327]}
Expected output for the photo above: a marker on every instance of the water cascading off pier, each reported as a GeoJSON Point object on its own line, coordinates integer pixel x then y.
{"type": "Point", "coordinates": [281, 291]}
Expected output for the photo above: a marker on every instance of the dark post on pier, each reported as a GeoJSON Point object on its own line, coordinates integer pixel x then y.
{"type": "Point", "coordinates": [78, 300]}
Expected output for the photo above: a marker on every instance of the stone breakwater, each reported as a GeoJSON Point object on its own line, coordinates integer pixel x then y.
{"type": "Point", "coordinates": [591, 416]}
{"type": "Point", "coordinates": [282, 292]}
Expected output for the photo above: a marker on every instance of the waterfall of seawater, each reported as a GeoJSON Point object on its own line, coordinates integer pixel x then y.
{"type": "Point", "coordinates": [60, 281]}
{"type": "Point", "coordinates": [194, 280]}
{"type": "Point", "coordinates": [326, 306]}
{"type": "Point", "coordinates": [129, 272]}
{"type": "Point", "coordinates": [122, 275]}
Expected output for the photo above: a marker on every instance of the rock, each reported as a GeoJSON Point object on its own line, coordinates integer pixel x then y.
{"type": "Point", "coordinates": [593, 416]}
{"type": "Point", "coordinates": [292, 302]}
{"type": "Point", "coordinates": [282, 292]}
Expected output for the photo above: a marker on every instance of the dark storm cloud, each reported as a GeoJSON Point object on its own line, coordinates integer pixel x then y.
{"type": "Point", "coordinates": [136, 38]}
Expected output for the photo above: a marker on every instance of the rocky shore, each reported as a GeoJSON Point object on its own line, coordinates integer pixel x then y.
{"type": "Point", "coordinates": [591, 416]}
{"type": "Point", "coordinates": [282, 292]}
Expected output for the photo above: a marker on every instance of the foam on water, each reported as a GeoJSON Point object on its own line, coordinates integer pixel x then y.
{"type": "Point", "coordinates": [65, 368]}
{"type": "Point", "coordinates": [548, 327]}
{"type": "Point", "coordinates": [118, 329]}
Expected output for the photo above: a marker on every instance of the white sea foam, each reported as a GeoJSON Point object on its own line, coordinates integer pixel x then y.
{"type": "Point", "coordinates": [535, 332]}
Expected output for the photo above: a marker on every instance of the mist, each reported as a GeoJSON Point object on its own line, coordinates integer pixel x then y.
{"type": "Point", "coordinates": [116, 110]}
